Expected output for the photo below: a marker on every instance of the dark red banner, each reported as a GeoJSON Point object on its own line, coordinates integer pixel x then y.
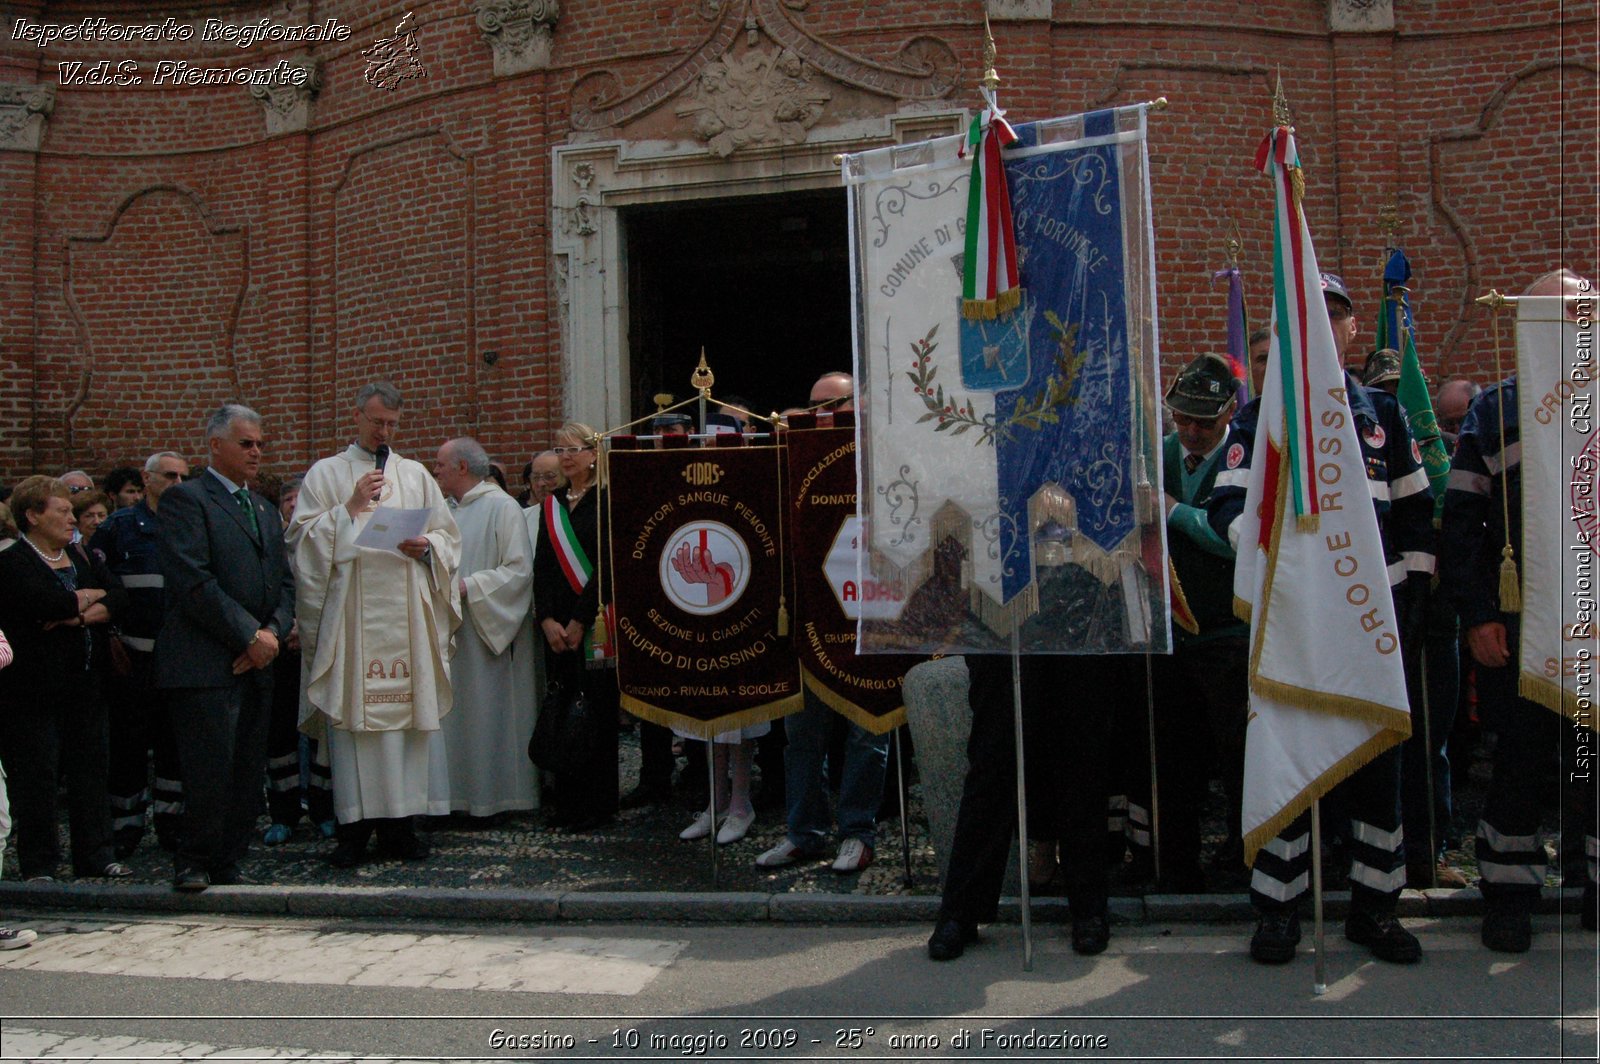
{"type": "Point", "coordinates": [829, 594]}
{"type": "Point", "coordinates": [698, 563]}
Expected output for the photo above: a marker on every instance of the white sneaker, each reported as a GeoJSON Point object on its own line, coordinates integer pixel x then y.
{"type": "Point", "coordinates": [735, 827]}
{"type": "Point", "coordinates": [785, 853]}
{"type": "Point", "coordinates": [854, 855]}
{"type": "Point", "coordinates": [699, 828]}
{"type": "Point", "coordinates": [16, 937]}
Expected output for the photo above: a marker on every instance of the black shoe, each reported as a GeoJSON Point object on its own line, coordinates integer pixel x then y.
{"type": "Point", "coordinates": [1507, 930]}
{"type": "Point", "coordinates": [1277, 934]}
{"type": "Point", "coordinates": [1383, 935]}
{"type": "Point", "coordinates": [352, 848]}
{"type": "Point", "coordinates": [1090, 934]}
{"type": "Point", "coordinates": [586, 824]}
{"type": "Point", "coordinates": [645, 795]}
{"type": "Point", "coordinates": [398, 841]}
{"type": "Point", "coordinates": [191, 880]}
{"type": "Point", "coordinates": [950, 939]}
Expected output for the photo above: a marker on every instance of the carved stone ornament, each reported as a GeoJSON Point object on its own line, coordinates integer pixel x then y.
{"type": "Point", "coordinates": [1361, 16]}
{"type": "Point", "coordinates": [765, 96]}
{"type": "Point", "coordinates": [23, 109]}
{"type": "Point", "coordinates": [287, 108]}
{"type": "Point", "coordinates": [1019, 10]}
{"type": "Point", "coordinates": [519, 32]}
{"type": "Point", "coordinates": [924, 69]}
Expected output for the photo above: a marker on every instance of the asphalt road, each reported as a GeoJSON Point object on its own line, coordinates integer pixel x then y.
{"type": "Point", "coordinates": [191, 986]}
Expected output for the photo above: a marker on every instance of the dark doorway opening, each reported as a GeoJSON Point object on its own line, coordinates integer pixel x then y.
{"type": "Point", "coordinates": [761, 282]}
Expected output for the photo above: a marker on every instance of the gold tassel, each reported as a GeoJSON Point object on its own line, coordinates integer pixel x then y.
{"type": "Point", "coordinates": [600, 637]}
{"type": "Point", "coordinates": [1510, 587]}
{"type": "Point", "coordinates": [1308, 522]}
{"type": "Point", "coordinates": [783, 617]}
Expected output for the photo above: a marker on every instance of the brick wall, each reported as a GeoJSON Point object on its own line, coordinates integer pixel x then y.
{"type": "Point", "coordinates": [162, 252]}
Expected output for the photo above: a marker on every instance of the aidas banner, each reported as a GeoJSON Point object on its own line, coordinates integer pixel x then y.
{"type": "Point", "coordinates": [698, 587]}
{"type": "Point", "coordinates": [1010, 472]}
{"type": "Point", "coordinates": [830, 594]}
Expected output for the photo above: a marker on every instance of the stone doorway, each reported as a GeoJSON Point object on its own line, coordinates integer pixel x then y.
{"type": "Point", "coordinates": [762, 283]}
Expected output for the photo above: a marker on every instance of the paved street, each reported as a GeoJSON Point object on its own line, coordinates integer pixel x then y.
{"type": "Point", "coordinates": [194, 986]}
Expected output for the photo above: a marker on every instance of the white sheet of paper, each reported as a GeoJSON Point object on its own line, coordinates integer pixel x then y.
{"type": "Point", "coordinates": [390, 525]}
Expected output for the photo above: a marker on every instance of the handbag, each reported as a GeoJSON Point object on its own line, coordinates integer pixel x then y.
{"type": "Point", "coordinates": [564, 734]}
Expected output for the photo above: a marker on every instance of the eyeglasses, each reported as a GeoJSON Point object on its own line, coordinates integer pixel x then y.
{"type": "Point", "coordinates": [76, 488]}
{"type": "Point", "coordinates": [175, 477]}
{"type": "Point", "coordinates": [1338, 313]}
{"type": "Point", "coordinates": [545, 476]}
{"type": "Point", "coordinates": [1186, 421]}
{"type": "Point", "coordinates": [570, 450]}
{"type": "Point", "coordinates": [390, 423]}
{"type": "Point", "coordinates": [831, 404]}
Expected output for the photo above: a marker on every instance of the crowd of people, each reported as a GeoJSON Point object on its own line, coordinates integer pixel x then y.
{"type": "Point", "coordinates": [191, 649]}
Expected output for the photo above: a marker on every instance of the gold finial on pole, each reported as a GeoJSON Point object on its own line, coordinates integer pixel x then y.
{"type": "Point", "coordinates": [702, 377]}
{"type": "Point", "coordinates": [1389, 223]}
{"type": "Point", "coordinates": [1280, 104]}
{"type": "Point", "coordinates": [1233, 244]}
{"type": "Point", "coordinates": [990, 80]}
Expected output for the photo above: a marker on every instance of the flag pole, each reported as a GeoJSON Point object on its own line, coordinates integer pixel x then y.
{"type": "Point", "coordinates": [1319, 983]}
{"type": "Point", "coordinates": [1155, 793]}
{"type": "Point", "coordinates": [1022, 794]}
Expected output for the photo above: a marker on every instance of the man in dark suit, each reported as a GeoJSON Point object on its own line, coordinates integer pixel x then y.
{"type": "Point", "coordinates": [230, 600]}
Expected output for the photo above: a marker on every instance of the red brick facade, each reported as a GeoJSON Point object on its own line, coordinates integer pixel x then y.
{"type": "Point", "coordinates": [162, 251]}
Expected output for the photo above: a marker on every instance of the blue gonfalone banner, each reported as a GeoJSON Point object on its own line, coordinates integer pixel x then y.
{"type": "Point", "coordinates": [1010, 467]}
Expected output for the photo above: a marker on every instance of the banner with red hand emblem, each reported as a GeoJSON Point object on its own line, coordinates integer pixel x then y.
{"type": "Point", "coordinates": [699, 587]}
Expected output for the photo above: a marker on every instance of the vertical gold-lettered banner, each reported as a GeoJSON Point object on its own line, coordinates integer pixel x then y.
{"type": "Point", "coordinates": [830, 595]}
{"type": "Point", "coordinates": [698, 559]}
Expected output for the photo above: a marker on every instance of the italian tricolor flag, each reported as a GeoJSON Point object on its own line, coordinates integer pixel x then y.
{"type": "Point", "coordinates": [989, 285]}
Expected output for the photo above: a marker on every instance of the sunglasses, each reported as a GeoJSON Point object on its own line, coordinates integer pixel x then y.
{"type": "Point", "coordinates": [175, 477]}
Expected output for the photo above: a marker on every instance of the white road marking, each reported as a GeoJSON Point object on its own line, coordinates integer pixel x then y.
{"type": "Point", "coordinates": [23, 1043]}
{"type": "Point", "coordinates": [543, 964]}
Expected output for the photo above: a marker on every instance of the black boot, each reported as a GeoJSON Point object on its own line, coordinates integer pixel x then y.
{"type": "Point", "coordinates": [352, 847]}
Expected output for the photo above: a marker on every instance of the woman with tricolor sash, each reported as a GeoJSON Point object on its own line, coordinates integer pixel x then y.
{"type": "Point", "coordinates": [566, 599]}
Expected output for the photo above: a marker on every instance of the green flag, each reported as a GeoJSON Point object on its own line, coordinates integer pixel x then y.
{"type": "Point", "coordinates": [1396, 330]}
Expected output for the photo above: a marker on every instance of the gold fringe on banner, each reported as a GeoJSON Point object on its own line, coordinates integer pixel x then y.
{"type": "Point", "coordinates": [1551, 696]}
{"type": "Point", "coordinates": [706, 729]}
{"type": "Point", "coordinates": [1341, 771]}
{"type": "Point", "coordinates": [1187, 622]}
{"type": "Point", "coordinates": [989, 309]}
{"type": "Point", "coordinates": [849, 710]}
{"type": "Point", "coordinates": [1242, 609]}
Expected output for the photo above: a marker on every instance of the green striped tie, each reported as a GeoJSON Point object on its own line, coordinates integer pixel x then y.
{"type": "Point", "coordinates": [243, 495]}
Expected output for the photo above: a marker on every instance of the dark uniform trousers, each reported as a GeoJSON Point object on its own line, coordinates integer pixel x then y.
{"type": "Point", "coordinates": [1437, 670]}
{"type": "Point", "coordinates": [1376, 843]}
{"type": "Point", "coordinates": [1541, 763]}
{"type": "Point", "coordinates": [223, 744]}
{"type": "Point", "coordinates": [284, 785]}
{"type": "Point", "coordinates": [141, 733]}
{"type": "Point", "coordinates": [1070, 701]}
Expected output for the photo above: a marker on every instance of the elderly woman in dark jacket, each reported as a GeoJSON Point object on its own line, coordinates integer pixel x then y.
{"type": "Point", "coordinates": [55, 602]}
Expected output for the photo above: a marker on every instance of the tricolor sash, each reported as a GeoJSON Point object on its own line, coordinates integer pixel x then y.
{"type": "Point", "coordinates": [575, 564]}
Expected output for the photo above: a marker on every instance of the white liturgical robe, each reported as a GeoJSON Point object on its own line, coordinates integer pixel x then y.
{"type": "Point", "coordinates": [486, 734]}
{"type": "Point", "coordinates": [375, 632]}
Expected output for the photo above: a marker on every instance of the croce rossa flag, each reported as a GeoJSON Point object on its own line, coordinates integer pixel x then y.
{"type": "Point", "coordinates": [698, 564]}
{"type": "Point", "coordinates": [1560, 519]}
{"type": "Point", "coordinates": [1327, 688]}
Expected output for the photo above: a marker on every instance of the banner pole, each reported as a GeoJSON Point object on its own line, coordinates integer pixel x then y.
{"type": "Point", "coordinates": [1427, 772]}
{"type": "Point", "coordinates": [905, 832]}
{"type": "Point", "coordinates": [1319, 984]}
{"type": "Point", "coordinates": [1155, 790]}
{"type": "Point", "coordinates": [711, 778]}
{"type": "Point", "coordinates": [1022, 796]}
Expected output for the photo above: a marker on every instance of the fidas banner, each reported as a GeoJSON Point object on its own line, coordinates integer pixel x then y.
{"type": "Point", "coordinates": [698, 587]}
{"type": "Point", "coordinates": [830, 594]}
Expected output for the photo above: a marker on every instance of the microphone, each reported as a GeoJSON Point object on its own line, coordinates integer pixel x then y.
{"type": "Point", "coordinates": [383, 455]}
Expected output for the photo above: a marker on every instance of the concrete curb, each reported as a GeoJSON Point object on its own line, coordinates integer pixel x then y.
{"type": "Point", "coordinates": [543, 906]}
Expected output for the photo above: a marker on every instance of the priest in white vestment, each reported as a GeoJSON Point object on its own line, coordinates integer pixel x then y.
{"type": "Point", "coordinates": [375, 629]}
{"type": "Point", "coordinates": [486, 734]}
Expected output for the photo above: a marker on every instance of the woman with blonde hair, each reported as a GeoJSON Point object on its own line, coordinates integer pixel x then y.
{"type": "Point", "coordinates": [567, 582]}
